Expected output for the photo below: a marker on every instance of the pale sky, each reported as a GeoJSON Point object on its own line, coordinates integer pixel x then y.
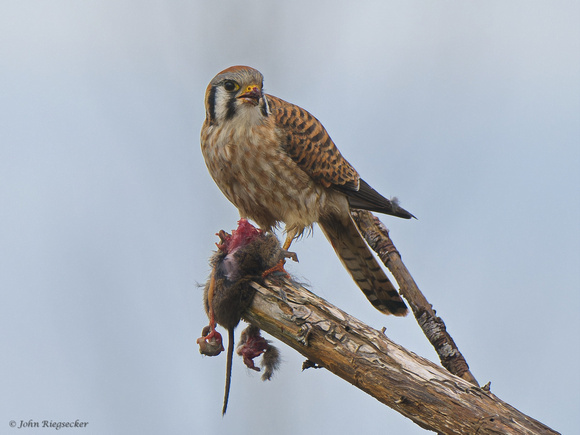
{"type": "Point", "coordinates": [468, 112]}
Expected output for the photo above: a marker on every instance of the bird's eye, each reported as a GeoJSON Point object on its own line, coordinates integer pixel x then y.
{"type": "Point", "coordinates": [230, 86]}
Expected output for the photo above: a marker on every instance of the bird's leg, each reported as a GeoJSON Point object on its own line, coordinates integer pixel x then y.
{"type": "Point", "coordinates": [211, 341]}
{"type": "Point", "coordinates": [279, 267]}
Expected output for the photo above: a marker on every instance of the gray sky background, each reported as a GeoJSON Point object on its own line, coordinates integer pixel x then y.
{"type": "Point", "coordinates": [469, 112]}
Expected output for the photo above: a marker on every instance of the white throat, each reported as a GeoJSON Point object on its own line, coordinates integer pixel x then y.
{"type": "Point", "coordinates": [246, 113]}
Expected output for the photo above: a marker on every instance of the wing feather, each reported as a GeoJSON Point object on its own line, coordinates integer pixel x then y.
{"type": "Point", "coordinates": [308, 144]}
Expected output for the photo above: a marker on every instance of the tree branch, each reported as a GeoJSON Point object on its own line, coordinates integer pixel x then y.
{"type": "Point", "coordinates": [427, 394]}
{"type": "Point", "coordinates": [377, 236]}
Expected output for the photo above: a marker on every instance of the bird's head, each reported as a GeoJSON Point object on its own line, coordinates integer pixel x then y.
{"type": "Point", "coordinates": [236, 91]}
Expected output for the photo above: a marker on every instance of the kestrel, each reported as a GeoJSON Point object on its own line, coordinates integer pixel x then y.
{"type": "Point", "coordinates": [277, 164]}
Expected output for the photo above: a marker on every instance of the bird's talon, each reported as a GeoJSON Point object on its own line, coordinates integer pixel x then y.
{"type": "Point", "coordinates": [291, 255]}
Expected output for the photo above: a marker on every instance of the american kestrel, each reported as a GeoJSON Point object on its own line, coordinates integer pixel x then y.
{"type": "Point", "coordinates": [277, 164]}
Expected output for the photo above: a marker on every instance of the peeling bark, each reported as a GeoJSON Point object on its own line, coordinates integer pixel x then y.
{"type": "Point", "coordinates": [429, 395]}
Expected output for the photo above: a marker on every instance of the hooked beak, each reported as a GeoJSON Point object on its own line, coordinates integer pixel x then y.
{"type": "Point", "coordinates": [251, 94]}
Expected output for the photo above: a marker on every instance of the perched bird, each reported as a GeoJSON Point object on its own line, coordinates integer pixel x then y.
{"type": "Point", "coordinates": [277, 164]}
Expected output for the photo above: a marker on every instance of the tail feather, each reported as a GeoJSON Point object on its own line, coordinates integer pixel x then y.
{"type": "Point", "coordinates": [358, 259]}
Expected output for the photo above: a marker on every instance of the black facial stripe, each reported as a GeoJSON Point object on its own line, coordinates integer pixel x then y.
{"type": "Point", "coordinates": [231, 106]}
{"type": "Point", "coordinates": [211, 104]}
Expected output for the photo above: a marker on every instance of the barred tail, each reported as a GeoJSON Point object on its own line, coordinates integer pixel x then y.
{"type": "Point", "coordinates": [358, 259]}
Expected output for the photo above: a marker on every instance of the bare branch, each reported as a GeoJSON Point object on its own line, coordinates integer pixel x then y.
{"type": "Point", "coordinates": [377, 236]}
{"type": "Point", "coordinates": [424, 392]}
